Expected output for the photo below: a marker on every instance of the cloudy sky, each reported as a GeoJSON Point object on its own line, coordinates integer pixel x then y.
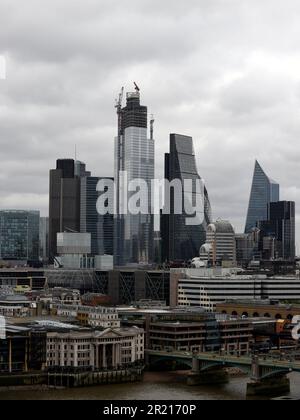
{"type": "Point", "coordinates": [226, 72]}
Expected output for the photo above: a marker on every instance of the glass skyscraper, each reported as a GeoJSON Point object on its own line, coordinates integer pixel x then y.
{"type": "Point", "coordinates": [280, 226]}
{"type": "Point", "coordinates": [101, 227]}
{"type": "Point", "coordinates": [19, 235]}
{"type": "Point", "coordinates": [134, 155]}
{"type": "Point", "coordinates": [64, 200]}
{"type": "Point", "coordinates": [264, 191]}
{"type": "Point", "coordinates": [181, 241]}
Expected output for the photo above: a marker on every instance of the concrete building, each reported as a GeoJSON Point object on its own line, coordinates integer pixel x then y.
{"type": "Point", "coordinates": [93, 316]}
{"type": "Point", "coordinates": [236, 336]}
{"type": "Point", "coordinates": [96, 350]}
{"type": "Point", "coordinates": [15, 306]}
{"type": "Point", "coordinates": [220, 246]}
{"type": "Point", "coordinates": [200, 287]}
{"type": "Point", "coordinates": [259, 309]}
{"type": "Point", "coordinates": [35, 279]}
{"type": "Point", "coordinates": [182, 331]}
{"type": "Point", "coordinates": [23, 350]}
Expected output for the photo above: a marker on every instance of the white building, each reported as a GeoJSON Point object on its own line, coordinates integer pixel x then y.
{"type": "Point", "coordinates": [220, 246]}
{"type": "Point", "coordinates": [206, 287]}
{"type": "Point", "coordinates": [93, 316]}
{"type": "Point", "coordinates": [111, 348]}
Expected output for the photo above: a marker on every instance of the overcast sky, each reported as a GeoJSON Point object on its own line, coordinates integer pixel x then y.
{"type": "Point", "coordinates": [226, 72]}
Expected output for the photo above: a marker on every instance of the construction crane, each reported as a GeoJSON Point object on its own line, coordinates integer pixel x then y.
{"type": "Point", "coordinates": [137, 88]}
{"type": "Point", "coordinates": [119, 101]}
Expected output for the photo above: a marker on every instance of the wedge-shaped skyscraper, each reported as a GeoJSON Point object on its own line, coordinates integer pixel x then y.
{"type": "Point", "coordinates": [264, 191]}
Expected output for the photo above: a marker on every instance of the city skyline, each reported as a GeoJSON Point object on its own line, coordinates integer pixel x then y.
{"type": "Point", "coordinates": [244, 104]}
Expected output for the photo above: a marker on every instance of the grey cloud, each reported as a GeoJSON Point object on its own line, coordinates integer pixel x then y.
{"type": "Point", "coordinates": [225, 72]}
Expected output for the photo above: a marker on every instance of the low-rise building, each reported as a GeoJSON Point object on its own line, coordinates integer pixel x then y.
{"type": "Point", "coordinates": [93, 316]}
{"type": "Point", "coordinates": [236, 336]}
{"type": "Point", "coordinates": [15, 306]}
{"type": "Point", "coordinates": [96, 350]}
{"type": "Point", "coordinates": [258, 309]}
{"type": "Point", "coordinates": [208, 287]}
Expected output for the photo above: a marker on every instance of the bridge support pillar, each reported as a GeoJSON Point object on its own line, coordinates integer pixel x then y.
{"type": "Point", "coordinates": [201, 375]}
{"type": "Point", "coordinates": [272, 386]}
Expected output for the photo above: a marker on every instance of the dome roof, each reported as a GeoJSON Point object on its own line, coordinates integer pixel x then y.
{"type": "Point", "coordinates": [205, 248]}
{"type": "Point", "coordinates": [221, 226]}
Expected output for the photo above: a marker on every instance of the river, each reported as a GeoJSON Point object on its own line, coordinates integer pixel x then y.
{"type": "Point", "coordinates": [155, 386]}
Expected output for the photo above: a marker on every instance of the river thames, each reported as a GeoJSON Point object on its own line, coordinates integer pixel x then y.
{"type": "Point", "coordinates": [155, 386]}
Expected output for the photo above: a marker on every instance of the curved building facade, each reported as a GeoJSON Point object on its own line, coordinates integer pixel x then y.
{"type": "Point", "coordinates": [181, 241]}
{"type": "Point", "coordinates": [220, 243]}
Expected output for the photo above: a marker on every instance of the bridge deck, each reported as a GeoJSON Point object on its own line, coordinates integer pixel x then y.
{"type": "Point", "coordinates": [230, 360]}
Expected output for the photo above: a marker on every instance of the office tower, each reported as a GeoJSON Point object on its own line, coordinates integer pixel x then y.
{"type": "Point", "coordinates": [278, 232]}
{"type": "Point", "coordinates": [181, 241]}
{"type": "Point", "coordinates": [264, 191]}
{"type": "Point", "coordinates": [247, 247]}
{"type": "Point", "coordinates": [44, 238]}
{"type": "Point", "coordinates": [19, 235]}
{"type": "Point", "coordinates": [134, 155]}
{"type": "Point", "coordinates": [64, 201]}
{"type": "Point", "coordinates": [101, 227]}
{"type": "Point", "coordinates": [220, 246]}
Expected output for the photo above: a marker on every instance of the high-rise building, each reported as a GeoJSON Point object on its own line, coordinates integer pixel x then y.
{"type": "Point", "coordinates": [19, 235]}
{"type": "Point", "coordinates": [264, 191]}
{"type": "Point", "coordinates": [278, 232]}
{"type": "Point", "coordinates": [134, 155]}
{"type": "Point", "coordinates": [181, 241]}
{"type": "Point", "coordinates": [220, 246]}
{"type": "Point", "coordinates": [44, 238]}
{"type": "Point", "coordinates": [64, 200]}
{"type": "Point", "coordinates": [101, 227]}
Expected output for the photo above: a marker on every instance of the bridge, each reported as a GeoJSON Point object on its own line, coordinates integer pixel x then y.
{"type": "Point", "coordinates": [268, 374]}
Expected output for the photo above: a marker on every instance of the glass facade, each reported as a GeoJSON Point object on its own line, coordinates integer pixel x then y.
{"type": "Point", "coordinates": [264, 191]}
{"type": "Point", "coordinates": [281, 227]}
{"type": "Point", "coordinates": [100, 227]}
{"type": "Point", "coordinates": [19, 235]}
{"type": "Point", "coordinates": [134, 154]}
{"type": "Point", "coordinates": [44, 238]}
{"type": "Point", "coordinates": [181, 241]}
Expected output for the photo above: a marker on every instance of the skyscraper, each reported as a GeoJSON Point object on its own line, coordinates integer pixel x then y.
{"type": "Point", "coordinates": [101, 227]}
{"type": "Point", "coordinates": [64, 200]}
{"type": "Point", "coordinates": [264, 191]}
{"type": "Point", "coordinates": [19, 235]}
{"type": "Point", "coordinates": [44, 238]}
{"type": "Point", "coordinates": [279, 231]}
{"type": "Point", "coordinates": [134, 155]}
{"type": "Point", "coordinates": [181, 241]}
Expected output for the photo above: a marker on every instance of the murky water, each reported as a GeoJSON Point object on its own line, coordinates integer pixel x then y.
{"type": "Point", "coordinates": [155, 386]}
